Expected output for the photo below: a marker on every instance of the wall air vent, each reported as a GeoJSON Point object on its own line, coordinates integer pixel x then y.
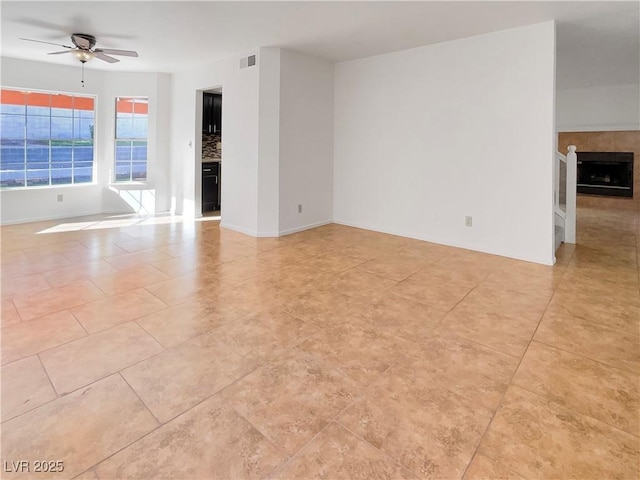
{"type": "Point", "coordinates": [249, 61]}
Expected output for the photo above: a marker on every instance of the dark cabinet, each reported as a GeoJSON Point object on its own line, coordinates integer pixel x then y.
{"type": "Point", "coordinates": [210, 186]}
{"type": "Point", "coordinates": [211, 113]}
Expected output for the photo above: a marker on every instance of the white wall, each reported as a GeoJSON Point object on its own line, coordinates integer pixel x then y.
{"type": "Point", "coordinates": [22, 205]}
{"type": "Point", "coordinates": [614, 107]}
{"type": "Point", "coordinates": [239, 203]}
{"type": "Point", "coordinates": [268, 142]}
{"type": "Point", "coordinates": [306, 141]}
{"type": "Point", "coordinates": [427, 136]}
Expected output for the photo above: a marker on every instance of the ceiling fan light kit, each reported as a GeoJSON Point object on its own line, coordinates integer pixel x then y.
{"type": "Point", "coordinates": [85, 51]}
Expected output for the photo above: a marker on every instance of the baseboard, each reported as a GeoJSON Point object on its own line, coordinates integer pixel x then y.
{"type": "Point", "coordinates": [289, 231]}
{"type": "Point", "coordinates": [49, 217]}
{"type": "Point", "coordinates": [267, 234]}
{"type": "Point", "coordinates": [549, 261]}
{"type": "Point", "coordinates": [235, 228]}
{"type": "Point", "coordinates": [598, 128]}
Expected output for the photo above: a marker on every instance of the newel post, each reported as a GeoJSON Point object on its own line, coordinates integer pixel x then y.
{"type": "Point", "coordinates": [572, 187]}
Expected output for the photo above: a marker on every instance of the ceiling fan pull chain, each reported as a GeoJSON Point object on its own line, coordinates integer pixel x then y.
{"type": "Point", "coordinates": [82, 81]}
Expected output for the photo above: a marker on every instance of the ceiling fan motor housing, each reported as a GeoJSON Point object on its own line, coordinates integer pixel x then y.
{"type": "Point", "coordinates": [83, 40]}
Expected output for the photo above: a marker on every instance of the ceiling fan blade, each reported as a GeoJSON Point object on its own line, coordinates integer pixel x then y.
{"type": "Point", "coordinates": [48, 43]}
{"type": "Point", "coordinates": [81, 42]}
{"type": "Point", "coordinates": [106, 58]}
{"type": "Point", "coordinates": [58, 53]}
{"type": "Point", "coordinates": [113, 51]}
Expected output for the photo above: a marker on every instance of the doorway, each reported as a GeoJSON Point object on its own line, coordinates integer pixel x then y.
{"type": "Point", "coordinates": [211, 153]}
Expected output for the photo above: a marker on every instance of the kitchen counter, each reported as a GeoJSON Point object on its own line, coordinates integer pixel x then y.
{"type": "Point", "coordinates": [211, 160]}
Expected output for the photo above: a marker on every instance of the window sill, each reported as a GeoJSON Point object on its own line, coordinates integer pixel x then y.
{"type": "Point", "coordinates": [128, 184]}
{"type": "Point", "coordinates": [47, 187]}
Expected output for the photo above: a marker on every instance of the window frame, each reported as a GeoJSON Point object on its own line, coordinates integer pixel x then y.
{"type": "Point", "coordinates": [72, 184]}
{"type": "Point", "coordinates": [114, 180]}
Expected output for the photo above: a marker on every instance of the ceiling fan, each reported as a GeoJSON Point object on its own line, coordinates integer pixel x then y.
{"type": "Point", "coordinates": [84, 49]}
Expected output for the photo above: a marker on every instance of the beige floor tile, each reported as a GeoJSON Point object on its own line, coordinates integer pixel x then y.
{"type": "Point", "coordinates": [291, 399]}
{"type": "Point", "coordinates": [88, 359]}
{"type": "Point", "coordinates": [523, 281]}
{"type": "Point", "coordinates": [403, 317]}
{"type": "Point", "coordinates": [110, 311]}
{"type": "Point", "coordinates": [485, 468]}
{"type": "Point", "coordinates": [358, 350]}
{"type": "Point", "coordinates": [466, 368]}
{"type": "Point", "coordinates": [323, 306]}
{"type": "Point", "coordinates": [362, 250]}
{"type": "Point", "coordinates": [129, 260]}
{"type": "Point", "coordinates": [8, 313]}
{"type": "Point", "coordinates": [81, 271]}
{"type": "Point", "coordinates": [394, 267]}
{"type": "Point", "coordinates": [627, 294]}
{"type": "Point", "coordinates": [605, 393]}
{"type": "Point", "coordinates": [282, 256]}
{"type": "Point", "coordinates": [436, 295]}
{"type": "Point", "coordinates": [356, 283]}
{"type": "Point", "coordinates": [448, 273]}
{"type": "Point", "coordinates": [613, 347]}
{"type": "Point", "coordinates": [210, 441]}
{"type": "Point", "coordinates": [56, 299]}
{"type": "Point", "coordinates": [427, 377]}
{"type": "Point", "coordinates": [178, 289]}
{"type": "Point", "coordinates": [538, 438]}
{"type": "Point", "coordinates": [513, 304]}
{"type": "Point", "coordinates": [229, 251]}
{"type": "Point", "coordinates": [336, 453]}
{"type": "Point", "coordinates": [183, 376]}
{"type": "Point", "coordinates": [507, 334]}
{"type": "Point", "coordinates": [597, 310]}
{"type": "Point", "coordinates": [431, 432]}
{"type": "Point", "coordinates": [22, 286]}
{"type": "Point", "coordinates": [313, 246]}
{"type": "Point", "coordinates": [34, 336]}
{"type": "Point", "coordinates": [333, 262]}
{"type": "Point", "coordinates": [174, 325]}
{"type": "Point", "coordinates": [263, 335]}
{"type": "Point", "coordinates": [79, 429]}
{"type": "Point", "coordinates": [25, 386]}
{"type": "Point", "coordinates": [178, 266]}
{"type": "Point", "coordinates": [135, 277]}
{"type": "Point", "coordinates": [296, 276]}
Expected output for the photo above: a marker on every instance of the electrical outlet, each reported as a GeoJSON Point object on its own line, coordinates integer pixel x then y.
{"type": "Point", "coordinates": [468, 221]}
{"type": "Point", "coordinates": [60, 197]}
{"type": "Point", "coordinates": [299, 208]}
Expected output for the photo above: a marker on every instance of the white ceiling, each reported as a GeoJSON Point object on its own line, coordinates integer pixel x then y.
{"type": "Point", "coordinates": [598, 42]}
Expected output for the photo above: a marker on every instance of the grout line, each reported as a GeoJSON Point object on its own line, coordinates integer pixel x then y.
{"type": "Point", "coordinates": [594, 360]}
{"type": "Point", "coordinates": [574, 410]}
{"type": "Point", "coordinates": [48, 377]}
{"type": "Point", "coordinates": [509, 385]}
{"type": "Point", "coordinates": [139, 397]}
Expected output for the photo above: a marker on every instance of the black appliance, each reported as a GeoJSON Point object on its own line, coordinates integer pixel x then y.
{"type": "Point", "coordinates": [210, 186]}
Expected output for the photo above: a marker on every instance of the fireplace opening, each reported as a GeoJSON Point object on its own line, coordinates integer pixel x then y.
{"type": "Point", "coordinates": [605, 173]}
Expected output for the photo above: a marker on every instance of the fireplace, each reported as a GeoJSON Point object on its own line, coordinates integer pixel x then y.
{"type": "Point", "coordinates": [605, 173]}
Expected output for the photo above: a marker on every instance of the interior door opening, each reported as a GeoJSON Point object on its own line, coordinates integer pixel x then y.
{"type": "Point", "coordinates": [211, 157]}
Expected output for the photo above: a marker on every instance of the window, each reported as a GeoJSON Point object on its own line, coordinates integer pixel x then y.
{"type": "Point", "coordinates": [46, 138]}
{"type": "Point", "coordinates": [131, 139]}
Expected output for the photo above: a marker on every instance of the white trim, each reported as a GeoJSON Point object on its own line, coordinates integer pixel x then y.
{"type": "Point", "coordinates": [598, 128]}
{"type": "Point", "coordinates": [304, 227]}
{"type": "Point", "coordinates": [235, 228]}
{"type": "Point", "coordinates": [55, 217]}
{"type": "Point", "coordinates": [440, 242]}
{"type": "Point", "coordinates": [255, 233]}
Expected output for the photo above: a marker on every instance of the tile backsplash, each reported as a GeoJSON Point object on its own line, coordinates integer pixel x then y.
{"type": "Point", "coordinates": [211, 145]}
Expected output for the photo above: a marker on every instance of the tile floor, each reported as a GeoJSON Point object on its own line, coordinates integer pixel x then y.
{"type": "Point", "coordinates": [151, 348]}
